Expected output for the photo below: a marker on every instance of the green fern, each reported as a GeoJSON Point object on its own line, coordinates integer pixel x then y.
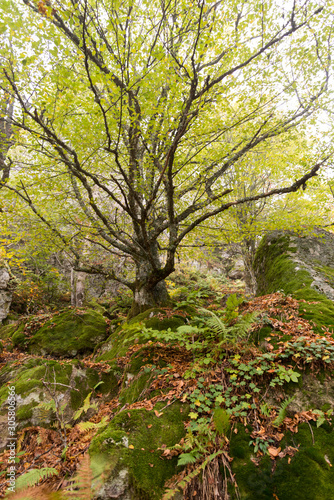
{"type": "Point", "coordinates": [34, 476]}
{"type": "Point", "coordinates": [85, 407]}
{"type": "Point", "coordinates": [170, 494]}
{"type": "Point", "coordinates": [188, 458]}
{"type": "Point", "coordinates": [216, 324]}
{"type": "Point", "coordinates": [243, 325]}
{"type": "Point", "coordinates": [282, 412]}
{"type": "Point", "coordinates": [230, 333]}
{"type": "Point", "coordinates": [87, 426]}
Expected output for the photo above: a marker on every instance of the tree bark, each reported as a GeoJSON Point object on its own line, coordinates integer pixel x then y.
{"type": "Point", "coordinates": [248, 250]}
{"type": "Point", "coordinates": [146, 296]}
{"type": "Point", "coordinates": [78, 280]}
{"type": "Point", "coordinates": [149, 289]}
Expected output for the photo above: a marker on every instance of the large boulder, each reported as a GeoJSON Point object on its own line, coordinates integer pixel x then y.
{"type": "Point", "coordinates": [38, 381]}
{"type": "Point", "coordinates": [132, 446]}
{"type": "Point", "coordinates": [301, 266]}
{"type": "Point", "coordinates": [68, 334]}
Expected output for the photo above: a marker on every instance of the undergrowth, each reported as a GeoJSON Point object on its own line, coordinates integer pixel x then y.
{"type": "Point", "coordinates": [225, 378]}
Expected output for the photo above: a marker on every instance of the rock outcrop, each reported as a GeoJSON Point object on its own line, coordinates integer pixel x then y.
{"type": "Point", "coordinates": [5, 294]}
{"type": "Point", "coordinates": [302, 266]}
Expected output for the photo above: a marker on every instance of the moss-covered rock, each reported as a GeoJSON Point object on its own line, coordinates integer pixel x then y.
{"type": "Point", "coordinates": [39, 381]}
{"type": "Point", "coordinates": [8, 331]}
{"type": "Point", "coordinates": [68, 334]}
{"type": "Point", "coordinates": [307, 475]}
{"type": "Point", "coordinates": [301, 266]}
{"type": "Point", "coordinates": [133, 443]}
{"type": "Point", "coordinates": [130, 333]}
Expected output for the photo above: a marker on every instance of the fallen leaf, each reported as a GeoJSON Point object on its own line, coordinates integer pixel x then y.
{"type": "Point", "coordinates": [131, 447]}
{"type": "Point", "coordinates": [273, 451]}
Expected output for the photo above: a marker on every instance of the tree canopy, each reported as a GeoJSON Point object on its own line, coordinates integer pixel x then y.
{"type": "Point", "coordinates": [130, 119]}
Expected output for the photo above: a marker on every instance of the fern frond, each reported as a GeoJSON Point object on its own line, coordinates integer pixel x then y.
{"type": "Point", "coordinates": [20, 439]}
{"type": "Point", "coordinates": [216, 323]}
{"type": "Point", "coordinates": [34, 476]}
{"type": "Point", "coordinates": [85, 407]}
{"type": "Point", "coordinates": [45, 410]}
{"type": "Point", "coordinates": [88, 426]}
{"type": "Point", "coordinates": [244, 323]}
{"type": "Point", "coordinates": [81, 488]}
{"type": "Point", "coordinates": [42, 435]}
{"type": "Point", "coordinates": [38, 493]}
{"type": "Point", "coordinates": [282, 411]}
{"type": "Point", "coordinates": [170, 494]}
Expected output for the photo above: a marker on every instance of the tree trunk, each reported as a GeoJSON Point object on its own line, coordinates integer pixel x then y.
{"type": "Point", "coordinates": [147, 297]}
{"type": "Point", "coordinates": [248, 253]}
{"type": "Point", "coordinates": [149, 290]}
{"type": "Point", "coordinates": [77, 288]}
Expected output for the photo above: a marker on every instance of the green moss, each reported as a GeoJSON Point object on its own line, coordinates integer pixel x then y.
{"type": "Point", "coordinates": [25, 412]}
{"type": "Point", "coordinates": [67, 334]}
{"type": "Point", "coordinates": [261, 334]}
{"type": "Point", "coordinates": [119, 342]}
{"type": "Point", "coordinates": [308, 476]}
{"type": "Point", "coordinates": [276, 271]}
{"type": "Point", "coordinates": [146, 433]}
{"type": "Point", "coordinates": [135, 388]}
{"type": "Point", "coordinates": [328, 272]}
{"type": "Point", "coordinates": [7, 331]}
{"type": "Point", "coordinates": [151, 320]}
{"type": "Point", "coordinates": [18, 337]}
{"type": "Point", "coordinates": [28, 378]}
{"type": "Point", "coordinates": [130, 332]}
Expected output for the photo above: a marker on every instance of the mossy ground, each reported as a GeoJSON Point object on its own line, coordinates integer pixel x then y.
{"type": "Point", "coordinates": [146, 434]}
{"type": "Point", "coordinates": [67, 334]}
{"type": "Point", "coordinates": [134, 439]}
{"type": "Point", "coordinates": [7, 331]}
{"type": "Point", "coordinates": [305, 476]}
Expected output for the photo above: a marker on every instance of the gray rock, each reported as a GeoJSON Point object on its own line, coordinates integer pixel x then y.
{"type": "Point", "coordinates": [5, 302]}
{"type": "Point", "coordinates": [311, 253]}
{"type": "Point", "coordinates": [4, 279]}
{"type": "Point", "coordinates": [5, 294]}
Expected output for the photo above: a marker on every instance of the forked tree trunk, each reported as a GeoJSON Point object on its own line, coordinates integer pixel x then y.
{"type": "Point", "coordinates": [148, 290]}
{"type": "Point", "coordinates": [147, 297]}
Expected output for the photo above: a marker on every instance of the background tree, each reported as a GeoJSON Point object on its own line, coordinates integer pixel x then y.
{"type": "Point", "coordinates": [124, 108]}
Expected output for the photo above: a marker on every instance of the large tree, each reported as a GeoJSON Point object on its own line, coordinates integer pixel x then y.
{"type": "Point", "coordinates": [132, 113]}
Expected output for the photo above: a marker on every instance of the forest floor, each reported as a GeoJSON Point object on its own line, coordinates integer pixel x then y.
{"type": "Point", "coordinates": [231, 363]}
